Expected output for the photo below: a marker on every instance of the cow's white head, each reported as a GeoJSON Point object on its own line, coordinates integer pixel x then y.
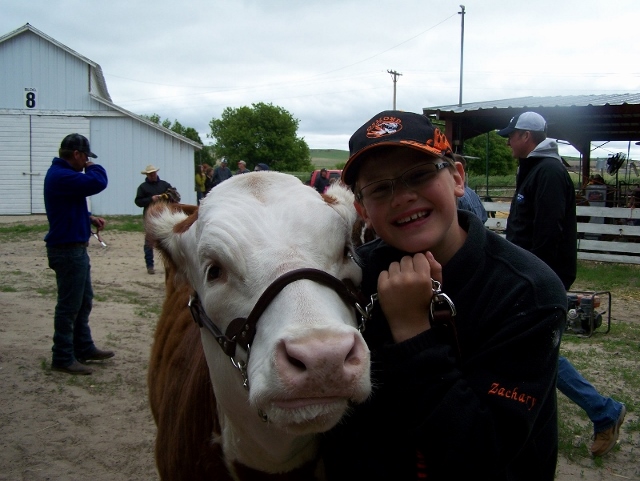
{"type": "Point", "coordinates": [308, 361]}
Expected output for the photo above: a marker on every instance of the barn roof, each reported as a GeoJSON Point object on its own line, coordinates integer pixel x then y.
{"type": "Point", "coordinates": [100, 84]}
{"type": "Point", "coordinates": [99, 91]}
{"type": "Point", "coordinates": [170, 132]}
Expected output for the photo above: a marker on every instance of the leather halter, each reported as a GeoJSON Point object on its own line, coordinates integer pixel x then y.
{"type": "Point", "coordinates": [241, 330]}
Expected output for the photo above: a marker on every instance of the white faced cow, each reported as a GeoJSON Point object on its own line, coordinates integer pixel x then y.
{"type": "Point", "coordinates": [262, 263]}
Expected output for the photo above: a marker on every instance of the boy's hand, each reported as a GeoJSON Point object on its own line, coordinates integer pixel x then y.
{"type": "Point", "coordinates": [404, 293]}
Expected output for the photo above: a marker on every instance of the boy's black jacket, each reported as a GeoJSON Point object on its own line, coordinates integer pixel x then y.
{"type": "Point", "coordinates": [491, 413]}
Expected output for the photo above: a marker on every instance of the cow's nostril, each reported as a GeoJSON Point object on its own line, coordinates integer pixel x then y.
{"type": "Point", "coordinates": [354, 355]}
{"type": "Point", "coordinates": [296, 363]}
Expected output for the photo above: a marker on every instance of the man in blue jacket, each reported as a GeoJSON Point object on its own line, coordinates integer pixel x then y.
{"type": "Point", "coordinates": [66, 188]}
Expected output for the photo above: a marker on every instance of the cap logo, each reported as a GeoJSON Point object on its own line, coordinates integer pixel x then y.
{"type": "Point", "coordinates": [439, 141]}
{"type": "Point", "coordinates": [384, 126]}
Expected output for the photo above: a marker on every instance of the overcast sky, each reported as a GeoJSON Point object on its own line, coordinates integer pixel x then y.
{"type": "Point", "coordinates": [327, 61]}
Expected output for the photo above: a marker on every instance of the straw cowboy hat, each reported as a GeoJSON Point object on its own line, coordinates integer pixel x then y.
{"type": "Point", "coordinates": [150, 168]}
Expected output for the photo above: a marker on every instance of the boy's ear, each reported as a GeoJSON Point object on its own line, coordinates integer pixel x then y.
{"type": "Point", "coordinates": [458, 177]}
{"type": "Point", "coordinates": [362, 212]}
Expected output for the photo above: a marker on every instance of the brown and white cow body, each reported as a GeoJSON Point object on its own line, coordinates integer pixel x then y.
{"type": "Point", "coordinates": [308, 361]}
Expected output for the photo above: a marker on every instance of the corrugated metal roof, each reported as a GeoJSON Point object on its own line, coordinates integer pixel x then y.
{"type": "Point", "coordinates": [578, 119]}
{"type": "Point", "coordinates": [593, 100]}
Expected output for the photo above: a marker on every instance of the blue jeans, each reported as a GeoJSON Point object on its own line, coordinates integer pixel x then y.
{"type": "Point", "coordinates": [148, 252]}
{"type": "Point", "coordinates": [72, 335]}
{"type": "Point", "coordinates": [603, 411]}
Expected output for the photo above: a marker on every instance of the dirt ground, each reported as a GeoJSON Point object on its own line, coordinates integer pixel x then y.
{"type": "Point", "coordinates": [58, 427]}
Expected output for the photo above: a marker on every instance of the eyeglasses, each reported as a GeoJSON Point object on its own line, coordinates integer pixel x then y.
{"type": "Point", "coordinates": [414, 178]}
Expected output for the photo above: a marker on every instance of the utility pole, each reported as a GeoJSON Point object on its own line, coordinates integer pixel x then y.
{"type": "Point", "coordinates": [395, 76]}
{"type": "Point", "coordinates": [461, 53]}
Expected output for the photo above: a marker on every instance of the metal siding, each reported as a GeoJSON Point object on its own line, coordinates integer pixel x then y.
{"type": "Point", "coordinates": [125, 147]}
{"type": "Point", "coordinates": [61, 79]}
{"type": "Point", "coordinates": [15, 67]}
{"type": "Point", "coordinates": [46, 134]}
{"type": "Point", "coordinates": [124, 144]}
{"type": "Point", "coordinates": [15, 178]}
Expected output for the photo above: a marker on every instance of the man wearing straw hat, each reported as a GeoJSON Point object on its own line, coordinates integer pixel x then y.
{"type": "Point", "coordinates": [151, 190]}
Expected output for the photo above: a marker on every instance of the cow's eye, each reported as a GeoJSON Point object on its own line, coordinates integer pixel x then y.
{"type": "Point", "coordinates": [213, 273]}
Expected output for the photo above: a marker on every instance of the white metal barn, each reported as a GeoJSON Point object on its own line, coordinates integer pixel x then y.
{"type": "Point", "coordinates": [48, 91]}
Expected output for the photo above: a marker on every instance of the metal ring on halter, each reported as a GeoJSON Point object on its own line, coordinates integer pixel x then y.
{"type": "Point", "coordinates": [365, 312]}
{"type": "Point", "coordinates": [242, 367]}
{"type": "Point", "coordinates": [439, 298]}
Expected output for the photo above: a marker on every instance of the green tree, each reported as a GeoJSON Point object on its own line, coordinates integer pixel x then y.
{"type": "Point", "coordinates": [501, 161]}
{"type": "Point", "coordinates": [260, 133]}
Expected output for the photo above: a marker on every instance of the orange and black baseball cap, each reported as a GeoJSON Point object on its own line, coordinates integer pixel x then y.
{"type": "Point", "coordinates": [395, 128]}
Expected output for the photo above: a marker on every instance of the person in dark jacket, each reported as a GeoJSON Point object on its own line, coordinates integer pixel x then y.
{"type": "Point", "coordinates": [221, 173]}
{"type": "Point", "coordinates": [260, 167]}
{"type": "Point", "coordinates": [151, 190]}
{"type": "Point", "coordinates": [66, 188]}
{"type": "Point", "coordinates": [322, 181]}
{"type": "Point", "coordinates": [242, 168]}
{"type": "Point", "coordinates": [542, 220]}
{"type": "Point", "coordinates": [208, 181]}
{"type": "Point", "coordinates": [542, 217]}
{"type": "Point", "coordinates": [464, 380]}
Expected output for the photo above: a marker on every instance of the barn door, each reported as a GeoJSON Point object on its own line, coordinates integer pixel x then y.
{"type": "Point", "coordinates": [46, 134]}
{"type": "Point", "coordinates": [15, 168]}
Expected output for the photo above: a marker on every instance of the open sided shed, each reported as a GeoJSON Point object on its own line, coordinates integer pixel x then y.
{"type": "Point", "coordinates": [48, 91]}
{"type": "Point", "coordinates": [577, 119]}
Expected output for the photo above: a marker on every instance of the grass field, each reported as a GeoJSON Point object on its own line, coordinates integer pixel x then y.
{"type": "Point", "coordinates": [324, 158]}
{"type": "Point", "coordinates": [329, 158]}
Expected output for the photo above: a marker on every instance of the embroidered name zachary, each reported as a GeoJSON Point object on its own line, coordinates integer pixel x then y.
{"type": "Point", "coordinates": [512, 394]}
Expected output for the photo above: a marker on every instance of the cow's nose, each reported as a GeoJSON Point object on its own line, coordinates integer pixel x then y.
{"type": "Point", "coordinates": [322, 361]}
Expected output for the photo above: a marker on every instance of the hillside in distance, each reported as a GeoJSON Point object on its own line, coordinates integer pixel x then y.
{"type": "Point", "coordinates": [329, 158]}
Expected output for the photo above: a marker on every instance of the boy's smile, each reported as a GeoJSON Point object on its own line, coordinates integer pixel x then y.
{"type": "Point", "coordinates": [418, 215]}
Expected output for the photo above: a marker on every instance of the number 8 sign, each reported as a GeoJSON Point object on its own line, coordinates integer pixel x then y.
{"type": "Point", "coordinates": [31, 96]}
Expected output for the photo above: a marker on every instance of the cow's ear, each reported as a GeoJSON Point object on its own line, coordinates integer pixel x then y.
{"type": "Point", "coordinates": [166, 224]}
{"type": "Point", "coordinates": [341, 199]}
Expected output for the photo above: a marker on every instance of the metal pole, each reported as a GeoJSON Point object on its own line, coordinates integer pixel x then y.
{"type": "Point", "coordinates": [487, 169]}
{"type": "Point", "coordinates": [461, 53]}
{"type": "Point", "coordinates": [395, 76]}
{"type": "Point", "coordinates": [394, 93]}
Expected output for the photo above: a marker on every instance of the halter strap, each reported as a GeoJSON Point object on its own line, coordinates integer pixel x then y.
{"type": "Point", "coordinates": [241, 330]}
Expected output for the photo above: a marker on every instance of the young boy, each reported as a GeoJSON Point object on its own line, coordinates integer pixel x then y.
{"type": "Point", "coordinates": [471, 402]}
